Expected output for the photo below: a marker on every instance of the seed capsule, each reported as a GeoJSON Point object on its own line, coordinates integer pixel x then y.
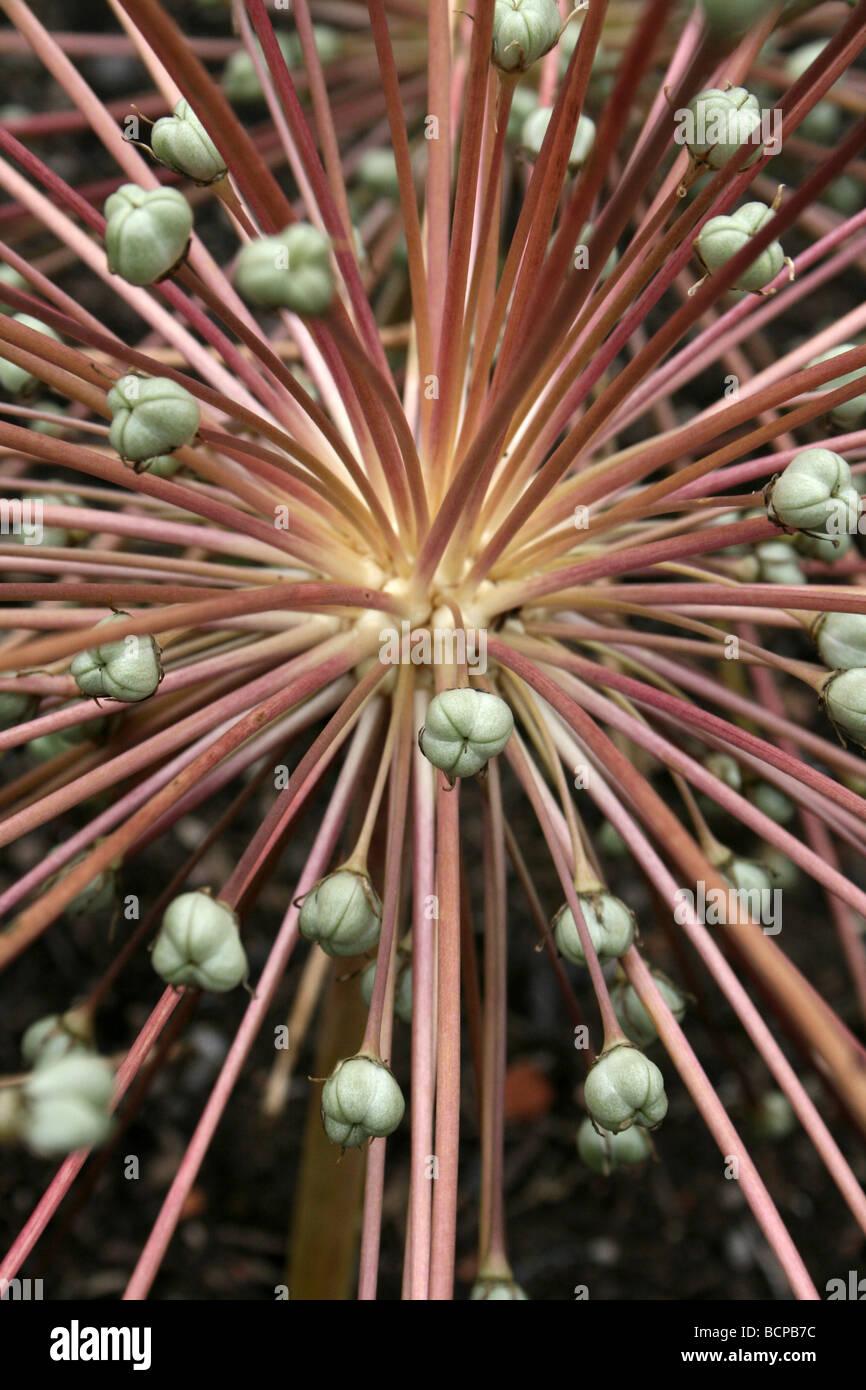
{"type": "Point", "coordinates": [624, 1088]}
{"type": "Point", "coordinates": [823, 122]}
{"type": "Point", "coordinates": [523, 31]}
{"type": "Point", "coordinates": [849, 413]}
{"type": "Point", "coordinates": [199, 945]}
{"type": "Point", "coordinates": [360, 1101]}
{"type": "Point", "coordinates": [773, 1117]}
{"type": "Point", "coordinates": [146, 232]}
{"type": "Point", "coordinates": [604, 1151]}
{"type": "Point", "coordinates": [498, 1291]}
{"type": "Point", "coordinates": [58, 1035]}
{"type": "Point", "coordinates": [535, 128]}
{"type": "Point", "coordinates": [464, 730]}
{"type": "Point", "coordinates": [402, 992]}
{"type": "Point", "coordinates": [815, 493]}
{"type": "Point", "coordinates": [610, 923]}
{"type": "Point", "coordinates": [240, 81]}
{"type": "Point", "coordinates": [635, 1018]}
{"type": "Point", "coordinates": [841, 640]}
{"type": "Point", "coordinates": [181, 142]}
{"type": "Point", "coordinates": [746, 875]}
{"type": "Point", "coordinates": [342, 913]}
{"type": "Point", "coordinates": [720, 122]}
{"type": "Point", "coordinates": [13, 378]}
{"type": "Point", "coordinates": [778, 564]}
{"type": "Point", "coordinates": [844, 698]}
{"type": "Point", "coordinates": [377, 171]}
{"type": "Point", "coordinates": [721, 238]}
{"type": "Point", "coordinates": [128, 669]}
{"type": "Point", "coordinates": [67, 1105]}
{"type": "Point", "coordinates": [772, 802]}
{"type": "Point", "coordinates": [152, 415]}
{"type": "Point", "coordinates": [288, 271]}
{"type": "Point", "coordinates": [16, 709]}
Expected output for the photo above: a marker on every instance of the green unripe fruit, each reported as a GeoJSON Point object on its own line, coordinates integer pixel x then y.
{"type": "Point", "coordinates": [523, 102]}
{"type": "Point", "coordinates": [8, 276]}
{"type": "Point", "coordinates": [16, 709]}
{"type": "Point", "coordinates": [815, 493]}
{"type": "Point", "coordinates": [342, 913]}
{"type": "Point", "coordinates": [163, 466]}
{"type": "Point", "coordinates": [721, 238]}
{"type": "Point", "coordinates": [289, 271]}
{"type": "Point", "coordinates": [603, 1152]}
{"type": "Point", "coordinates": [49, 427]}
{"type": "Point", "coordinates": [497, 1291]}
{"type": "Point", "coordinates": [827, 549]}
{"type": "Point", "coordinates": [49, 745]}
{"type": "Point", "coordinates": [240, 81]}
{"type": "Point", "coordinates": [635, 1019]}
{"type": "Point", "coordinates": [728, 20]}
{"type": "Point", "coordinates": [181, 142]}
{"type": "Point", "coordinates": [199, 945]}
{"type": "Point", "coordinates": [746, 876]}
{"type": "Point", "coordinates": [609, 922]}
{"type": "Point", "coordinates": [785, 872]}
{"type": "Point", "coordinates": [822, 123]}
{"type": "Point", "coordinates": [523, 31]}
{"type": "Point", "coordinates": [97, 895]}
{"type": "Point", "coordinates": [377, 171]}
{"type": "Point", "coordinates": [402, 991]}
{"type": "Point", "coordinates": [844, 195]}
{"type": "Point", "coordinates": [777, 563]}
{"type": "Point", "coordinates": [152, 415]}
{"type": "Point", "coordinates": [719, 122]}
{"type": "Point", "coordinates": [844, 698]}
{"type": "Point", "coordinates": [12, 377]}
{"type": "Point", "coordinates": [726, 768]}
{"type": "Point", "coordinates": [128, 669]}
{"type": "Point", "coordinates": [58, 1035]}
{"type": "Point", "coordinates": [850, 413]}
{"type": "Point", "coordinates": [464, 730]}
{"type": "Point", "coordinates": [535, 128]}
{"type": "Point", "coordinates": [773, 803]}
{"type": "Point", "coordinates": [624, 1088]}
{"type": "Point", "coordinates": [841, 640]}
{"type": "Point", "coordinates": [146, 232]}
{"type": "Point", "coordinates": [67, 1105]}
{"type": "Point", "coordinates": [773, 1117]}
{"type": "Point", "coordinates": [361, 1100]}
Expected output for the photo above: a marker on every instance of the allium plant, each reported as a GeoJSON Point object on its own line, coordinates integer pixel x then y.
{"type": "Point", "coordinates": [372, 462]}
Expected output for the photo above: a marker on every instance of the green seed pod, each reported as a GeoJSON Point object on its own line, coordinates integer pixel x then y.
{"type": "Point", "coordinates": [635, 1019]}
{"type": "Point", "coordinates": [535, 128]}
{"type": "Point", "coordinates": [844, 195]}
{"type": "Point", "coordinates": [16, 709]}
{"type": "Point", "coordinates": [784, 871]}
{"type": "Point", "coordinates": [152, 415]}
{"type": "Point", "coordinates": [624, 1088]}
{"type": "Point", "coordinates": [726, 768]}
{"type": "Point", "coordinates": [497, 1291]}
{"type": "Point", "coordinates": [48, 427]}
{"type": "Point", "coordinates": [610, 841]}
{"type": "Point", "coordinates": [728, 20]}
{"type": "Point", "coordinates": [329, 43]}
{"type": "Point", "coordinates": [342, 913]}
{"type": "Point", "coordinates": [289, 271]}
{"type": "Point", "coordinates": [146, 232]}
{"type": "Point", "coordinates": [163, 466]}
{"type": "Point", "coordinates": [13, 378]}
{"type": "Point", "coordinates": [603, 1151]}
{"type": "Point", "coordinates": [718, 124]}
{"type": "Point", "coordinates": [523, 31]}
{"type": "Point", "coordinates": [464, 730]}
{"type": "Point", "coordinates": [609, 922]}
{"type": "Point", "coordinates": [402, 992]}
{"type": "Point", "coordinates": [67, 1105]}
{"type": "Point", "coordinates": [56, 1036]}
{"type": "Point", "coordinates": [360, 1101]}
{"type": "Point", "coordinates": [49, 745]}
{"type": "Point", "coordinates": [377, 172]}
{"type": "Point", "coordinates": [772, 802]}
{"type": "Point", "coordinates": [777, 563]}
{"type": "Point", "coordinates": [773, 1117]}
{"type": "Point", "coordinates": [815, 493]}
{"type": "Point", "coordinates": [850, 413]}
{"type": "Point", "coordinates": [841, 640]}
{"type": "Point", "coordinates": [823, 122]}
{"type": "Point", "coordinates": [181, 142]}
{"type": "Point", "coordinates": [721, 238]}
{"type": "Point", "coordinates": [199, 945]}
{"type": "Point", "coordinates": [844, 698]}
{"type": "Point", "coordinates": [8, 276]}
{"type": "Point", "coordinates": [746, 875]}
{"type": "Point", "coordinates": [96, 896]}
{"type": "Point", "coordinates": [240, 81]}
{"type": "Point", "coordinates": [128, 669]}
{"type": "Point", "coordinates": [828, 549]}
